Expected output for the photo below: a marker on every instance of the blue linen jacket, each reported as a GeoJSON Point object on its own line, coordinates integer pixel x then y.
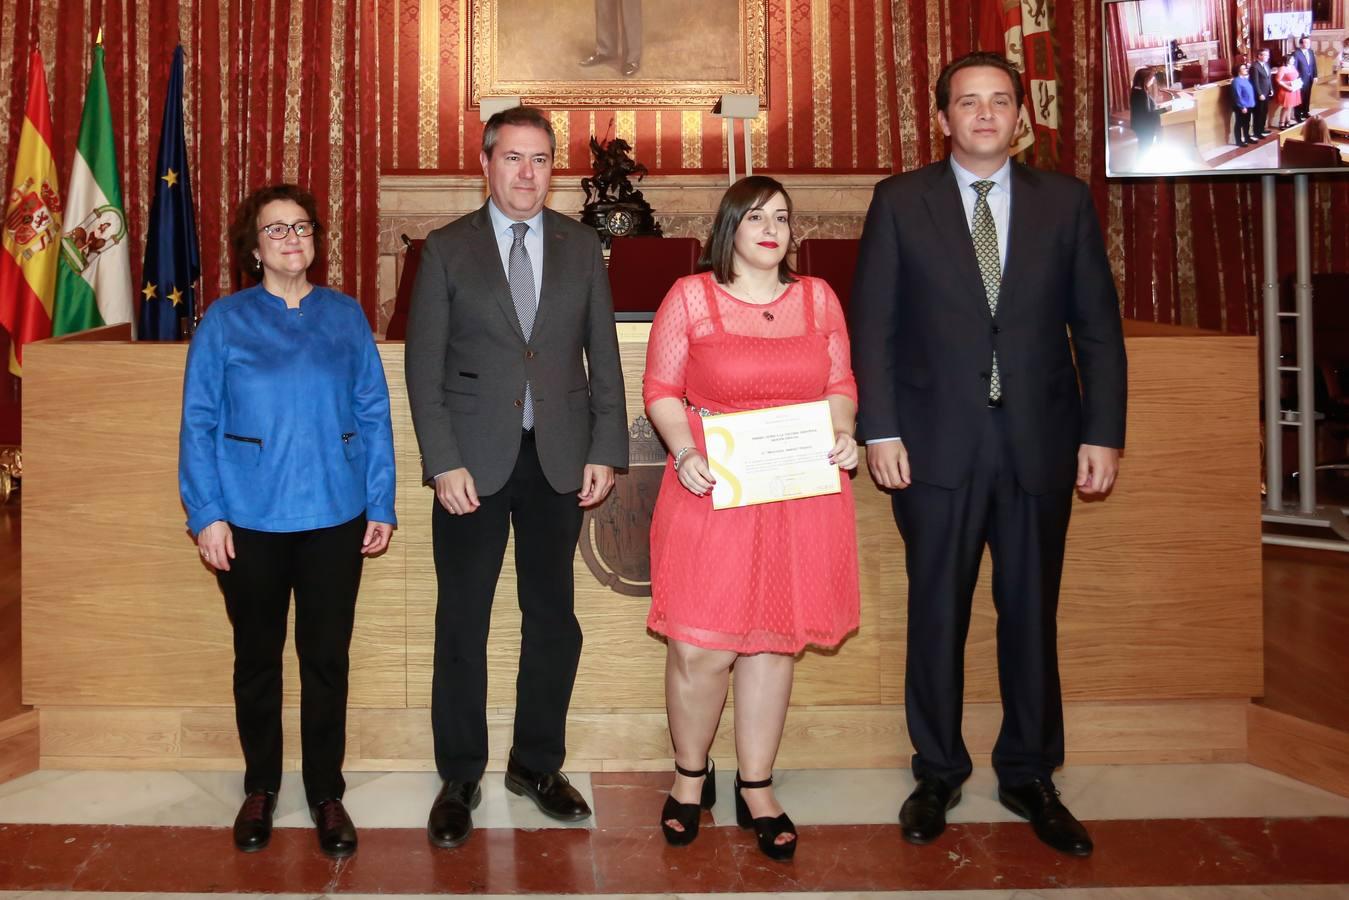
{"type": "Point", "coordinates": [285, 416]}
{"type": "Point", "coordinates": [1243, 93]}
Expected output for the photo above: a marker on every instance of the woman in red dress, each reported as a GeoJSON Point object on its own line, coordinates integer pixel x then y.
{"type": "Point", "coordinates": [746, 587]}
{"type": "Point", "coordinates": [1287, 93]}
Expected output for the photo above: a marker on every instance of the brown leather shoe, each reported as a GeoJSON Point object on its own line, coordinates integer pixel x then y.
{"type": "Point", "coordinates": [253, 824]}
{"type": "Point", "coordinates": [551, 792]}
{"type": "Point", "coordinates": [336, 833]}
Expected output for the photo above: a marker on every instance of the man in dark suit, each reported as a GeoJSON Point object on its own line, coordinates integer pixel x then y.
{"type": "Point", "coordinates": [1263, 82]}
{"type": "Point", "coordinates": [510, 303]}
{"type": "Point", "coordinates": [1304, 60]}
{"type": "Point", "coordinates": [615, 19]}
{"type": "Point", "coordinates": [972, 413]}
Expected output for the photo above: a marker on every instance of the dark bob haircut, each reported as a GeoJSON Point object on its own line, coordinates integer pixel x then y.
{"type": "Point", "coordinates": [528, 116]}
{"type": "Point", "coordinates": [745, 195]}
{"type": "Point", "coordinates": [971, 60]}
{"type": "Point", "coordinates": [244, 228]}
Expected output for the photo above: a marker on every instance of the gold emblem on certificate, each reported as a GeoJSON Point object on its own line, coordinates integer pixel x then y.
{"type": "Point", "coordinates": [769, 455]}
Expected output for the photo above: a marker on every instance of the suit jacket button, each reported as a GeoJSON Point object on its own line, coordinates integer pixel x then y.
{"type": "Point", "coordinates": [519, 404]}
{"type": "Point", "coordinates": [997, 330]}
{"type": "Point", "coordinates": [529, 354]}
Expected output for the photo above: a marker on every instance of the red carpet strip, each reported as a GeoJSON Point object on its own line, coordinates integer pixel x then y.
{"type": "Point", "coordinates": [626, 859]}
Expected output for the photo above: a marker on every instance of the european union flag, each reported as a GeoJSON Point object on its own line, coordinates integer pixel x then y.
{"type": "Point", "coordinates": [172, 261]}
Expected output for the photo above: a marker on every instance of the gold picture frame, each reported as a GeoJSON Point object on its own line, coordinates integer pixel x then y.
{"type": "Point", "coordinates": [690, 52]}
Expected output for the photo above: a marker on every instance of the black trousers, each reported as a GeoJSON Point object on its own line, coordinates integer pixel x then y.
{"type": "Point", "coordinates": [468, 552]}
{"type": "Point", "coordinates": [1242, 131]}
{"type": "Point", "coordinates": [323, 568]}
{"type": "Point", "coordinates": [1304, 108]}
{"type": "Point", "coordinates": [1260, 116]}
{"type": "Point", "coordinates": [944, 536]}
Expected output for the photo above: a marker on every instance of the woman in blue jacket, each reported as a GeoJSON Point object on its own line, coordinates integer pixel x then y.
{"type": "Point", "coordinates": [286, 470]}
{"type": "Point", "coordinates": [1243, 101]}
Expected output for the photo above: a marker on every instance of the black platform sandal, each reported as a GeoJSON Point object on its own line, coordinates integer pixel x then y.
{"type": "Point", "coordinates": [688, 815]}
{"type": "Point", "coordinates": [766, 828]}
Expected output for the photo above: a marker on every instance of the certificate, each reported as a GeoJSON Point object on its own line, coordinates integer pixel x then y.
{"type": "Point", "coordinates": [767, 455]}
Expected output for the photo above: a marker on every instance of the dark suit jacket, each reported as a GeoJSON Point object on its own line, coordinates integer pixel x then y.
{"type": "Point", "coordinates": [1305, 63]}
{"type": "Point", "coordinates": [1262, 79]}
{"type": "Point", "coordinates": [923, 337]}
{"type": "Point", "coordinates": [467, 360]}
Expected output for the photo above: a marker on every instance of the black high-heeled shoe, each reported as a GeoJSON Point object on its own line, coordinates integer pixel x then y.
{"type": "Point", "coordinates": [766, 828]}
{"type": "Point", "coordinates": [688, 815]}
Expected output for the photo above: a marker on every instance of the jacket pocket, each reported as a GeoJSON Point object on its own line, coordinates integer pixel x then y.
{"type": "Point", "coordinates": [242, 449]}
{"type": "Point", "coordinates": [461, 401]}
{"type": "Point", "coordinates": [579, 398]}
{"type": "Point", "coordinates": [352, 445]}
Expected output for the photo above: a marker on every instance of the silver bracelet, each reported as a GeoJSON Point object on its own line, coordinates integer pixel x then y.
{"type": "Point", "coordinates": [680, 455]}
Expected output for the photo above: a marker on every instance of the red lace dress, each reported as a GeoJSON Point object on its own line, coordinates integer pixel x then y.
{"type": "Point", "coordinates": [777, 576]}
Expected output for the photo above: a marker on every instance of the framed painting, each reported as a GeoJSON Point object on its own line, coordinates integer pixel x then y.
{"type": "Point", "coordinates": [617, 53]}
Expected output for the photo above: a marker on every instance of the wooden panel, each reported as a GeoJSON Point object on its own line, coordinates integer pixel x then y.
{"type": "Point", "coordinates": [1300, 749]}
{"type": "Point", "coordinates": [11, 579]}
{"type": "Point", "coordinates": [1161, 595]}
{"type": "Point", "coordinates": [19, 750]}
{"type": "Point", "coordinates": [1306, 634]}
{"type": "Point", "coordinates": [616, 740]}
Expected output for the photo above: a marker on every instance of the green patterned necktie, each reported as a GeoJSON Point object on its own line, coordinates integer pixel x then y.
{"type": "Point", "coordinates": [985, 235]}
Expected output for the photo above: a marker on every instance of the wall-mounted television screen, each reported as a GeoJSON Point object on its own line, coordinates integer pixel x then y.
{"type": "Point", "coordinates": [1202, 87]}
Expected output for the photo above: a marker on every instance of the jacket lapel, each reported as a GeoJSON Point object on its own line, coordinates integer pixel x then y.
{"type": "Point", "coordinates": [486, 249]}
{"type": "Point", "coordinates": [948, 215]}
{"type": "Point", "coordinates": [1021, 226]}
{"type": "Point", "coordinates": [554, 262]}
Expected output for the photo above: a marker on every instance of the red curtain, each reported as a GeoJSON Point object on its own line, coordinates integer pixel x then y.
{"type": "Point", "coordinates": [1121, 75]}
{"type": "Point", "coordinates": [284, 89]}
{"type": "Point", "coordinates": [275, 90]}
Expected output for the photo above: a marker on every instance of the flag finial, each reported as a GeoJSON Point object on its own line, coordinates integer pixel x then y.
{"type": "Point", "coordinates": [99, 40]}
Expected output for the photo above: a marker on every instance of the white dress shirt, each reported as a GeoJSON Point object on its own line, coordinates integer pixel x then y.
{"type": "Point", "coordinates": [999, 200]}
{"type": "Point", "coordinates": [501, 227]}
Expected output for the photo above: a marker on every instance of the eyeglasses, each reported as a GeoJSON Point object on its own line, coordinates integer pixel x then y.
{"type": "Point", "coordinates": [277, 231]}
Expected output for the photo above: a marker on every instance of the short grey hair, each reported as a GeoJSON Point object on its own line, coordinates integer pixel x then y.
{"type": "Point", "coordinates": [528, 116]}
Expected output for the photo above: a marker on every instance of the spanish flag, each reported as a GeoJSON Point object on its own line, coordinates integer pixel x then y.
{"type": "Point", "coordinates": [32, 229]}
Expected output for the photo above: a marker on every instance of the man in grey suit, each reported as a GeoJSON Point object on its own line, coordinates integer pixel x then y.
{"type": "Point", "coordinates": [609, 16]}
{"type": "Point", "coordinates": [510, 304]}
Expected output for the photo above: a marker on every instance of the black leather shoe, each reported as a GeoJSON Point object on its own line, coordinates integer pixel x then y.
{"type": "Point", "coordinates": [1039, 802]}
{"type": "Point", "coordinates": [551, 792]}
{"type": "Point", "coordinates": [253, 825]}
{"type": "Point", "coordinates": [451, 820]}
{"type": "Point", "coordinates": [922, 818]}
{"type": "Point", "coordinates": [594, 59]}
{"type": "Point", "coordinates": [630, 69]}
{"type": "Point", "coordinates": [337, 835]}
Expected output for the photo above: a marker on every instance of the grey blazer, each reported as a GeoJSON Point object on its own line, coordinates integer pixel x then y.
{"type": "Point", "coordinates": [467, 360]}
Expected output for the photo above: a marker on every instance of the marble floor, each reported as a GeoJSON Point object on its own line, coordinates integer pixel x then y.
{"type": "Point", "coordinates": [1161, 831]}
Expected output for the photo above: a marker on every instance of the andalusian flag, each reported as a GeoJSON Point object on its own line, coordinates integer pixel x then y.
{"type": "Point", "coordinates": [93, 287]}
{"type": "Point", "coordinates": [32, 230]}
